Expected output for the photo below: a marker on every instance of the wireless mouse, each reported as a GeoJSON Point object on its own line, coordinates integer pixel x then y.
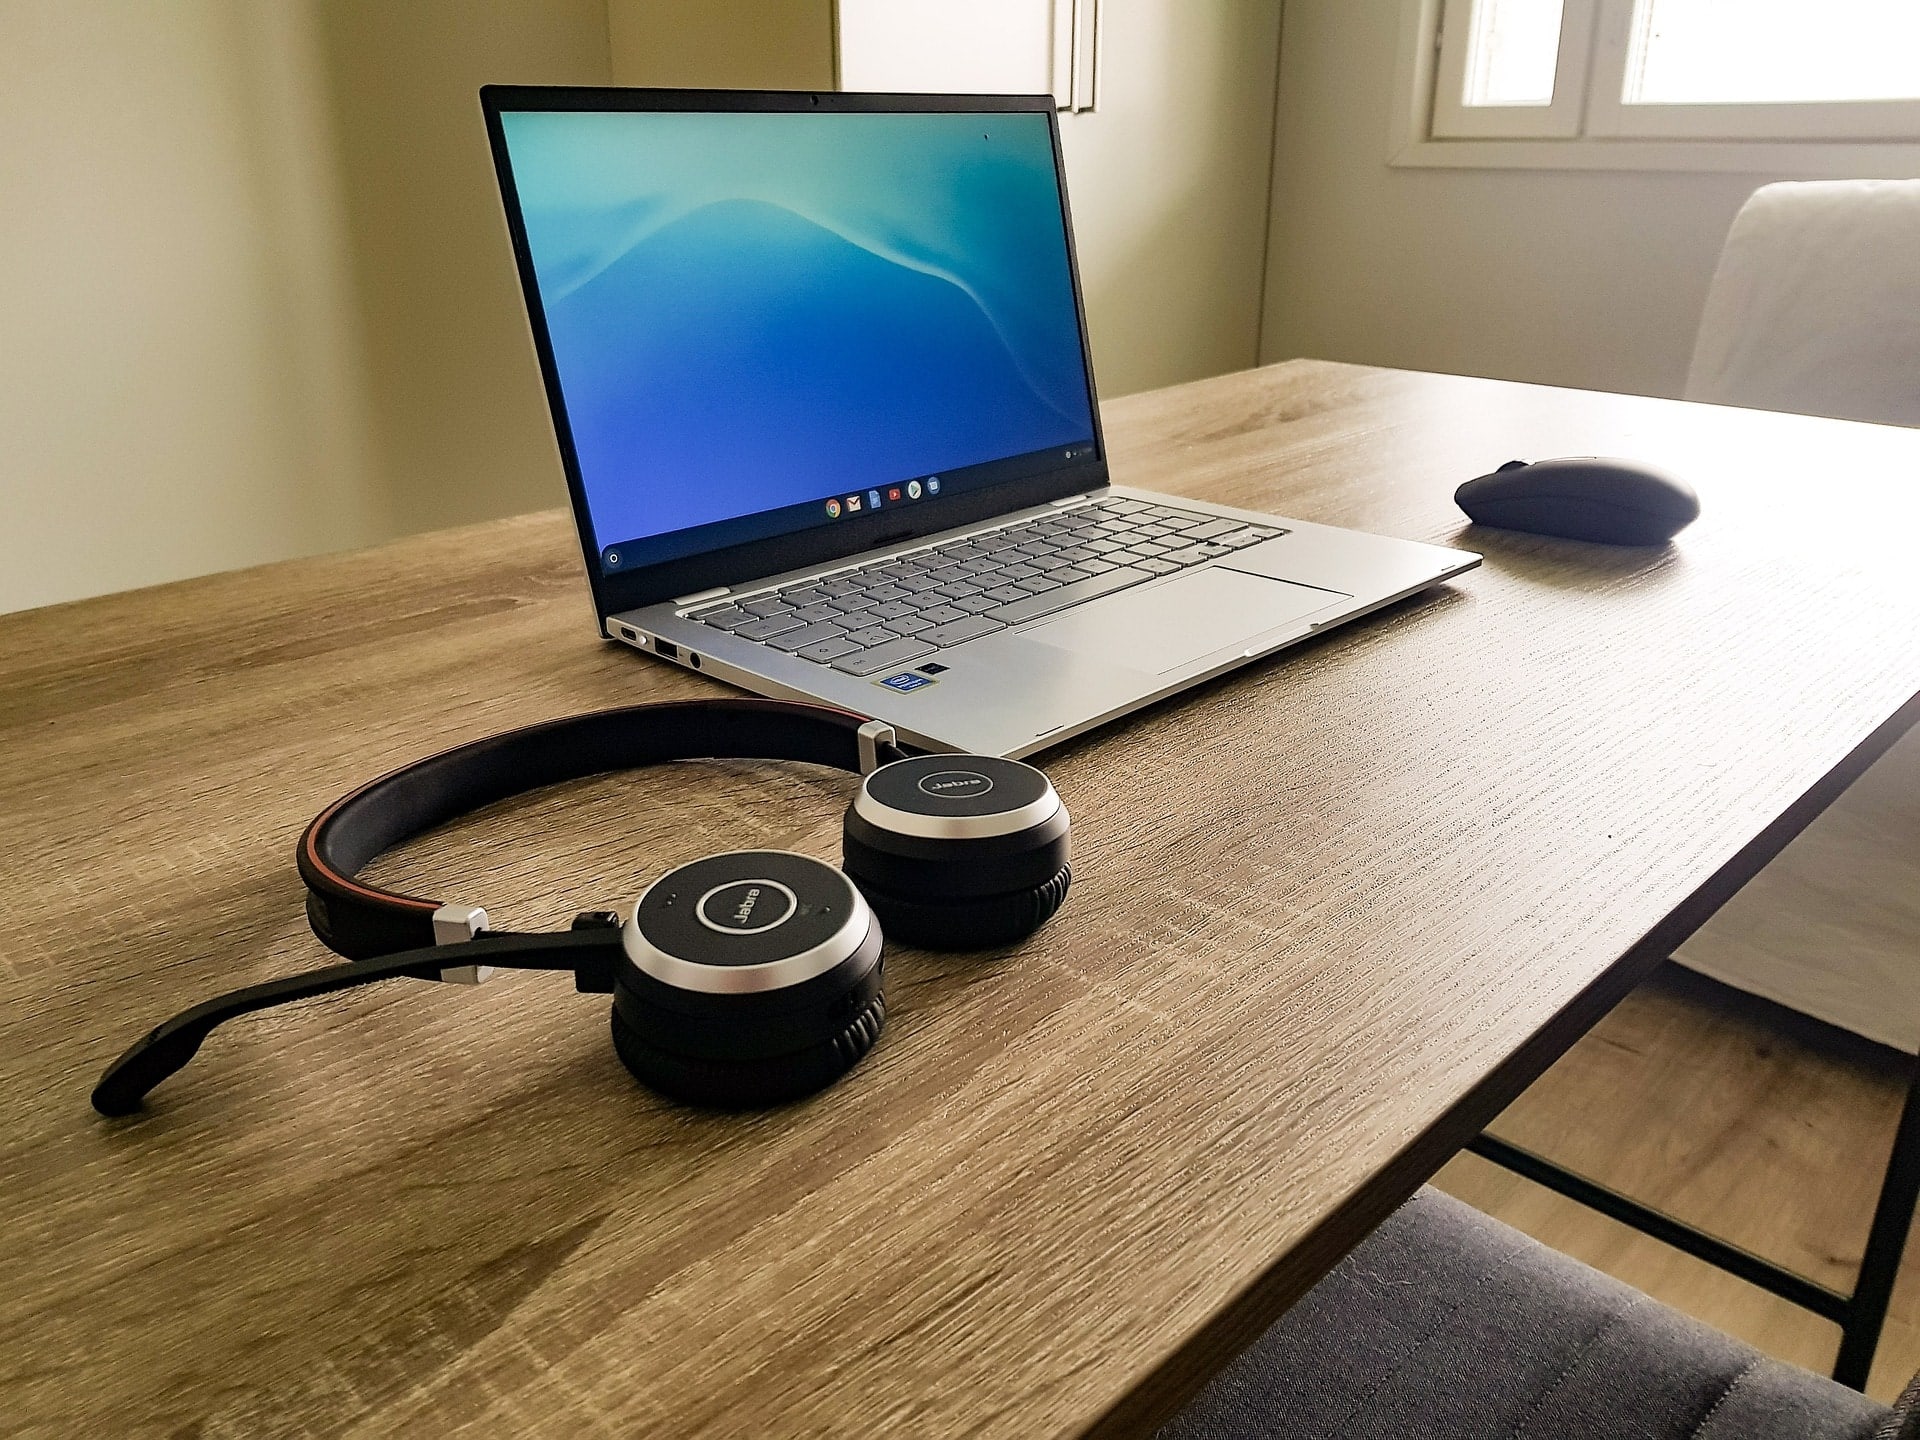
{"type": "Point", "coordinates": [1614, 502]}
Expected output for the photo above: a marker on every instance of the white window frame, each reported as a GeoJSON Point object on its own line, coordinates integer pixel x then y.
{"type": "Point", "coordinates": [1431, 128]}
{"type": "Point", "coordinates": [1453, 119]}
{"type": "Point", "coordinates": [1608, 118]}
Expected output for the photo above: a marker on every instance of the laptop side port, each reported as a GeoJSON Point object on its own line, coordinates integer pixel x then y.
{"type": "Point", "coordinates": [666, 649]}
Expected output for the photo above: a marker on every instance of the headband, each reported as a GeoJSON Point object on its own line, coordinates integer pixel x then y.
{"type": "Point", "coordinates": [360, 921]}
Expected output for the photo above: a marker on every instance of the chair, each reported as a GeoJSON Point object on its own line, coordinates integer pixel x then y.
{"type": "Point", "coordinates": [1815, 307]}
{"type": "Point", "coordinates": [1447, 1325]}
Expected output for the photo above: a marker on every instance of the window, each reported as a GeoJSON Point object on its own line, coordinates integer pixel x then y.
{"type": "Point", "coordinates": [1677, 69]}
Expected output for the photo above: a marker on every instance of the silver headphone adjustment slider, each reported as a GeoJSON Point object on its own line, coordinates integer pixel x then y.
{"type": "Point", "coordinates": [871, 737]}
{"type": "Point", "coordinates": [453, 924]}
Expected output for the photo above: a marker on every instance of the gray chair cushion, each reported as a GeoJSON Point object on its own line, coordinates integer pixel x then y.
{"type": "Point", "coordinates": [1447, 1325]}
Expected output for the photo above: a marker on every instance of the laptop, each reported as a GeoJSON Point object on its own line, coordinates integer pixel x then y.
{"type": "Point", "coordinates": [819, 374]}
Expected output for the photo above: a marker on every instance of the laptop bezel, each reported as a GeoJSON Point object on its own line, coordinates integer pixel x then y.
{"type": "Point", "coordinates": [819, 546]}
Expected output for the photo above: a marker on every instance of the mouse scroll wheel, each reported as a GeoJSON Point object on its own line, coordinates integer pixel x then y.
{"type": "Point", "coordinates": [1514, 465]}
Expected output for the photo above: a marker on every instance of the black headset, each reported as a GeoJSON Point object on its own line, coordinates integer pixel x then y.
{"type": "Point", "coordinates": [742, 979]}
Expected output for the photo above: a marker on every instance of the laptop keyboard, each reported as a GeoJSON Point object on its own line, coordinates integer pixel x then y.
{"type": "Point", "coordinates": [892, 611]}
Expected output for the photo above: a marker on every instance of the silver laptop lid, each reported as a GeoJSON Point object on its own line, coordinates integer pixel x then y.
{"type": "Point", "coordinates": [781, 328]}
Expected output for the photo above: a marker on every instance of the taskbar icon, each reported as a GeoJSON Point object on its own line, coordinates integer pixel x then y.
{"type": "Point", "coordinates": [878, 499]}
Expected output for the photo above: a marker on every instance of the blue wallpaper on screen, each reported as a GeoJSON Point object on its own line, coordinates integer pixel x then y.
{"type": "Point", "coordinates": [757, 310]}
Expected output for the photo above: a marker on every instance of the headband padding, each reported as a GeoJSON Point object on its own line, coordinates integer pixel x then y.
{"type": "Point", "coordinates": [359, 920]}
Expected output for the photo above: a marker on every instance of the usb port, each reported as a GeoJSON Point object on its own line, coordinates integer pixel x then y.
{"type": "Point", "coordinates": [666, 649]}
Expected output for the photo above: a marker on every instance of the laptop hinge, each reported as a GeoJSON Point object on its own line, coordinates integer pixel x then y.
{"type": "Point", "coordinates": [699, 595]}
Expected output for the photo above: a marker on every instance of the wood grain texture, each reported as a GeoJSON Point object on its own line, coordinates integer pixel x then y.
{"type": "Point", "coordinates": [1329, 916]}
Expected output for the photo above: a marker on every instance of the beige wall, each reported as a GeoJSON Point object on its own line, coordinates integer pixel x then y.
{"type": "Point", "coordinates": [454, 387]}
{"type": "Point", "coordinates": [255, 288]}
{"type": "Point", "coordinates": [1591, 278]}
{"type": "Point", "coordinates": [723, 44]}
{"type": "Point", "coordinates": [178, 386]}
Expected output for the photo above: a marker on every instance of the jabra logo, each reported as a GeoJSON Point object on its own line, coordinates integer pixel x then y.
{"type": "Point", "coordinates": [951, 783]}
{"type": "Point", "coordinates": [747, 907]}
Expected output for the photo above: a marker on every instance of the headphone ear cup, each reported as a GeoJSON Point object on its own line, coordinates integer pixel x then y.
{"type": "Point", "coordinates": [755, 1083]}
{"type": "Point", "coordinates": [958, 852]}
{"type": "Point", "coordinates": [748, 979]}
{"type": "Point", "coordinates": [978, 922]}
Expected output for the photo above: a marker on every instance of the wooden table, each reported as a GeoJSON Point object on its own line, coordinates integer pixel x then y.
{"type": "Point", "coordinates": [1330, 915]}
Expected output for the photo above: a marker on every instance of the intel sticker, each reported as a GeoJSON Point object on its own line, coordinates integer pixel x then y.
{"type": "Point", "coordinates": [904, 681]}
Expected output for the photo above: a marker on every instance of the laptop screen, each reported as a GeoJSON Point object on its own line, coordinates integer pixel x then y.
{"type": "Point", "coordinates": [766, 322]}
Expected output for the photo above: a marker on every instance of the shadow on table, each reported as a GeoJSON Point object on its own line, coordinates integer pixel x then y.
{"type": "Point", "coordinates": [1566, 564]}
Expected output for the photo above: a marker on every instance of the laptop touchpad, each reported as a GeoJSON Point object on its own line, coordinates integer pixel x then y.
{"type": "Point", "coordinates": [1157, 628]}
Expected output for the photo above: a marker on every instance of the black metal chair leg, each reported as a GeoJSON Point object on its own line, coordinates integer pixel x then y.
{"type": "Point", "coordinates": [1886, 1241]}
{"type": "Point", "coordinates": [1861, 1315]}
{"type": "Point", "coordinates": [1794, 1289]}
